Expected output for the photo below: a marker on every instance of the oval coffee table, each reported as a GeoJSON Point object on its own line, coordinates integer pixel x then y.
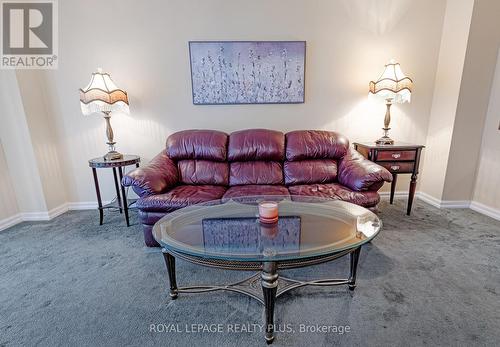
{"type": "Point", "coordinates": [227, 234]}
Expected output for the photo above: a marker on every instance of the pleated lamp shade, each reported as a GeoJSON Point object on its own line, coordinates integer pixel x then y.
{"type": "Point", "coordinates": [102, 95]}
{"type": "Point", "coordinates": [392, 84]}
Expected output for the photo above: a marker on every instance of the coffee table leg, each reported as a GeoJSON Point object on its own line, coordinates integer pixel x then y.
{"type": "Point", "coordinates": [269, 281]}
{"type": "Point", "coordinates": [170, 262]}
{"type": "Point", "coordinates": [354, 267]}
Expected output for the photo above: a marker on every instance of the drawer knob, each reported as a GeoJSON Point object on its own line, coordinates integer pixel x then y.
{"type": "Point", "coordinates": [396, 155]}
{"type": "Point", "coordinates": [394, 167]}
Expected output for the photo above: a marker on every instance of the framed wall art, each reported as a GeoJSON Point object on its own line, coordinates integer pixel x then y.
{"type": "Point", "coordinates": [247, 72]}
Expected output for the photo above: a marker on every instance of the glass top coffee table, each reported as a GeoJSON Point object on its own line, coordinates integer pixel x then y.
{"type": "Point", "coordinates": [227, 234]}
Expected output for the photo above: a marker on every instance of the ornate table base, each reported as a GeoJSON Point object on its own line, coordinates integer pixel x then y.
{"type": "Point", "coordinates": [264, 286]}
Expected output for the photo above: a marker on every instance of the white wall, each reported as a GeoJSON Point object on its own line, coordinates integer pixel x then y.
{"type": "Point", "coordinates": [8, 201]}
{"type": "Point", "coordinates": [487, 188]}
{"type": "Point", "coordinates": [44, 136]}
{"type": "Point", "coordinates": [446, 94]}
{"type": "Point", "coordinates": [477, 78]}
{"type": "Point", "coordinates": [18, 147]}
{"type": "Point", "coordinates": [348, 42]}
{"type": "Point", "coordinates": [47, 142]}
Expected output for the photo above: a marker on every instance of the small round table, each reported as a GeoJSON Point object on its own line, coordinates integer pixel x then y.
{"type": "Point", "coordinates": [100, 163]}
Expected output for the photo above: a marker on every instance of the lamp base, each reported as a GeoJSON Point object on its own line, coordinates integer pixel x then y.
{"type": "Point", "coordinates": [113, 155]}
{"type": "Point", "coordinates": [385, 140]}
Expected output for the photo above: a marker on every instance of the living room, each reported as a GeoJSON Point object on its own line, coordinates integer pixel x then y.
{"type": "Point", "coordinates": [247, 172]}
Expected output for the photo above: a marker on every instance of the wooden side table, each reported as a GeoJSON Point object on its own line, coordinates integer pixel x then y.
{"type": "Point", "coordinates": [116, 165]}
{"type": "Point", "coordinates": [399, 158]}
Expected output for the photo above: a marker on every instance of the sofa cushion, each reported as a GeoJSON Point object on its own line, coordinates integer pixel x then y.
{"type": "Point", "coordinates": [310, 171]}
{"type": "Point", "coordinates": [149, 240]}
{"type": "Point", "coordinates": [256, 144]}
{"type": "Point", "coordinates": [203, 172]}
{"type": "Point", "coordinates": [197, 144]}
{"type": "Point", "coordinates": [150, 217]}
{"type": "Point", "coordinates": [315, 144]}
{"type": "Point", "coordinates": [361, 174]}
{"type": "Point", "coordinates": [156, 177]}
{"type": "Point", "coordinates": [255, 190]}
{"type": "Point", "coordinates": [335, 191]}
{"type": "Point", "coordinates": [255, 172]}
{"type": "Point", "coordinates": [180, 196]}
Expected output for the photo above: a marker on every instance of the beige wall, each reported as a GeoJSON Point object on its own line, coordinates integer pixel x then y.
{"type": "Point", "coordinates": [487, 188]}
{"type": "Point", "coordinates": [446, 93]}
{"type": "Point", "coordinates": [450, 56]}
{"type": "Point", "coordinates": [8, 202]}
{"type": "Point", "coordinates": [347, 45]}
{"type": "Point", "coordinates": [18, 147]}
{"type": "Point", "coordinates": [43, 131]}
{"type": "Point", "coordinates": [482, 49]}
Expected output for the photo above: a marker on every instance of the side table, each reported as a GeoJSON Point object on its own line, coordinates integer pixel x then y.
{"type": "Point", "coordinates": [399, 158]}
{"type": "Point", "coordinates": [121, 196]}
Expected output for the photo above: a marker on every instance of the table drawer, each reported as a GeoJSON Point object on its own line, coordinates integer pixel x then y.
{"type": "Point", "coordinates": [395, 155]}
{"type": "Point", "coordinates": [398, 167]}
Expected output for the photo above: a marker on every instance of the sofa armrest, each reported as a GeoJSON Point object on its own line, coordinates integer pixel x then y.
{"type": "Point", "coordinates": [155, 178]}
{"type": "Point", "coordinates": [358, 173]}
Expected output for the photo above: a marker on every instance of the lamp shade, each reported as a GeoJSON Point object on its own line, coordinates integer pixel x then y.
{"type": "Point", "coordinates": [102, 95]}
{"type": "Point", "coordinates": [392, 84]}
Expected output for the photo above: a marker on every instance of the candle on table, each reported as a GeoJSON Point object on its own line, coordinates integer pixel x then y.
{"type": "Point", "coordinates": [268, 210]}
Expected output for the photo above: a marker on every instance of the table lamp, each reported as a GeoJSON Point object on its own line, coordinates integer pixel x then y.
{"type": "Point", "coordinates": [101, 95]}
{"type": "Point", "coordinates": [393, 86]}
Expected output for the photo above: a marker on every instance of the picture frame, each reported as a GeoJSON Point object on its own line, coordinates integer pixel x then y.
{"type": "Point", "coordinates": [247, 72]}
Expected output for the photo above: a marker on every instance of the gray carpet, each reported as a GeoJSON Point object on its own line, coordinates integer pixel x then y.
{"type": "Point", "coordinates": [429, 279]}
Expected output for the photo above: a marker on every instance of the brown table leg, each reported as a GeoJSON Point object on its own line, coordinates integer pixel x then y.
{"type": "Point", "coordinates": [393, 186]}
{"type": "Point", "coordinates": [98, 193]}
{"type": "Point", "coordinates": [117, 190]}
{"type": "Point", "coordinates": [413, 184]}
{"type": "Point", "coordinates": [124, 197]}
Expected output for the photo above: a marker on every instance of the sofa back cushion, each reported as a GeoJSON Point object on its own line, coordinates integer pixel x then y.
{"type": "Point", "coordinates": [201, 156]}
{"type": "Point", "coordinates": [310, 171]}
{"type": "Point", "coordinates": [197, 144]}
{"type": "Point", "coordinates": [315, 144]}
{"type": "Point", "coordinates": [312, 155]}
{"type": "Point", "coordinates": [255, 172]}
{"type": "Point", "coordinates": [203, 172]}
{"type": "Point", "coordinates": [256, 144]}
{"type": "Point", "coordinates": [256, 157]}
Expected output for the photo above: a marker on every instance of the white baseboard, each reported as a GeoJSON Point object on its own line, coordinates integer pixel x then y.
{"type": "Point", "coordinates": [486, 210]}
{"type": "Point", "coordinates": [473, 205]}
{"type": "Point", "coordinates": [84, 205]}
{"type": "Point", "coordinates": [46, 216]}
{"type": "Point", "coordinates": [90, 205]}
{"type": "Point", "coordinates": [442, 203]}
{"type": "Point", "coordinates": [55, 212]}
{"type": "Point", "coordinates": [429, 199]}
{"type": "Point", "coordinates": [397, 194]}
{"type": "Point", "coordinates": [79, 206]}
{"type": "Point", "coordinates": [10, 221]}
{"type": "Point", "coordinates": [455, 204]}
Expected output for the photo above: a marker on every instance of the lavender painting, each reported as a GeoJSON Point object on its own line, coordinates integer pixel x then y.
{"type": "Point", "coordinates": [247, 72]}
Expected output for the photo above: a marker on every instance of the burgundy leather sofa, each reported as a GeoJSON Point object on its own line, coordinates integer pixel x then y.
{"type": "Point", "coordinates": [202, 165]}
